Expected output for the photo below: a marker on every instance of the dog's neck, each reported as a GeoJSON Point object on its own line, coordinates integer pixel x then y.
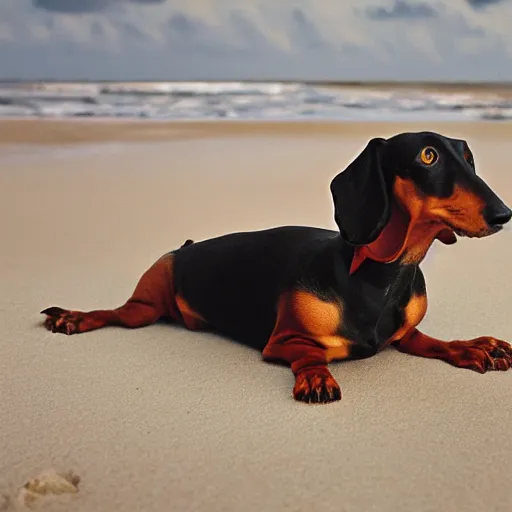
{"type": "Point", "coordinates": [406, 238]}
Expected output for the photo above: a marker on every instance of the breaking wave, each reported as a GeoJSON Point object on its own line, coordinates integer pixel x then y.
{"type": "Point", "coordinates": [246, 101]}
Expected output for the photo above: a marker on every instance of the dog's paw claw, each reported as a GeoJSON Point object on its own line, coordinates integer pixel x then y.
{"type": "Point", "coordinates": [61, 320]}
{"type": "Point", "coordinates": [53, 311]}
{"type": "Point", "coordinates": [482, 354]}
{"type": "Point", "coordinates": [316, 387]}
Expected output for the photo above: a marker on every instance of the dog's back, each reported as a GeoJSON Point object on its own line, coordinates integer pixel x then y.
{"type": "Point", "coordinates": [234, 281]}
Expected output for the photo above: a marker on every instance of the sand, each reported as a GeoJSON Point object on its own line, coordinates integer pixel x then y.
{"type": "Point", "coordinates": [162, 418]}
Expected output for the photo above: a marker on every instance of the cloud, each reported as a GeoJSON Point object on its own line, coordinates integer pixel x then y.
{"type": "Point", "coordinates": [72, 6]}
{"type": "Point", "coordinates": [184, 25]}
{"type": "Point", "coordinates": [480, 4]}
{"type": "Point", "coordinates": [85, 6]}
{"type": "Point", "coordinates": [255, 39]}
{"type": "Point", "coordinates": [190, 35]}
{"type": "Point", "coordinates": [402, 9]}
{"type": "Point", "coordinates": [303, 32]}
{"type": "Point", "coordinates": [246, 33]}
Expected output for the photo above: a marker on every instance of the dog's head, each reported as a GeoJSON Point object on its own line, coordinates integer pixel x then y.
{"type": "Point", "coordinates": [411, 180]}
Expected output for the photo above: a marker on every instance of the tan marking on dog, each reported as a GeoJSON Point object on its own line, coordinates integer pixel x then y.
{"type": "Point", "coordinates": [317, 316]}
{"type": "Point", "coordinates": [192, 320]}
{"type": "Point", "coordinates": [463, 209]}
{"type": "Point", "coordinates": [322, 319]}
{"type": "Point", "coordinates": [427, 216]}
{"type": "Point", "coordinates": [414, 313]}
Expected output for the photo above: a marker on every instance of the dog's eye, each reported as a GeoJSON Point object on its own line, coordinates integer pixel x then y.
{"type": "Point", "coordinates": [428, 156]}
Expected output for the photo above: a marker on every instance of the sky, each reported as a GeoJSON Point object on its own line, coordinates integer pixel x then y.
{"type": "Point", "coordinates": [404, 40]}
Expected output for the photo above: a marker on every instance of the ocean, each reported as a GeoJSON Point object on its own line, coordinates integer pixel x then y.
{"type": "Point", "coordinates": [254, 101]}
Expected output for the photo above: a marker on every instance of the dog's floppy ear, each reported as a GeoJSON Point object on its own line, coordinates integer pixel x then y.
{"type": "Point", "coordinates": [361, 202]}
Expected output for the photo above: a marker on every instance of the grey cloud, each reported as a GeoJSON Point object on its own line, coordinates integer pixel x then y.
{"type": "Point", "coordinates": [190, 34]}
{"type": "Point", "coordinates": [402, 9]}
{"type": "Point", "coordinates": [464, 28]}
{"type": "Point", "coordinates": [480, 4]}
{"type": "Point", "coordinates": [247, 29]}
{"type": "Point", "coordinates": [183, 24]}
{"type": "Point", "coordinates": [303, 32]}
{"type": "Point", "coordinates": [96, 29]}
{"type": "Point", "coordinates": [84, 6]}
{"type": "Point", "coordinates": [72, 6]}
{"type": "Point", "coordinates": [133, 33]}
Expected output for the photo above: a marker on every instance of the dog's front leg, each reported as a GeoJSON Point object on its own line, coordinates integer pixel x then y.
{"type": "Point", "coordinates": [308, 360]}
{"type": "Point", "coordinates": [480, 354]}
{"type": "Point", "coordinates": [306, 337]}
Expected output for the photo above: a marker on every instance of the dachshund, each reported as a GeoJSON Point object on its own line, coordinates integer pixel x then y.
{"type": "Point", "coordinates": [306, 296]}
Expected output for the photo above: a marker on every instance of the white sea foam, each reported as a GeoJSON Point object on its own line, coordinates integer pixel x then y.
{"type": "Point", "coordinates": [245, 100]}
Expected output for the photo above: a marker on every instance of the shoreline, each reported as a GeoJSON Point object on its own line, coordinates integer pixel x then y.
{"type": "Point", "coordinates": [423, 84]}
{"type": "Point", "coordinates": [57, 132]}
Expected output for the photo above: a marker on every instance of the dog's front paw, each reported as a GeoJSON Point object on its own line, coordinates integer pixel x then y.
{"type": "Point", "coordinates": [481, 354]}
{"type": "Point", "coordinates": [316, 385]}
{"type": "Point", "coordinates": [62, 320]}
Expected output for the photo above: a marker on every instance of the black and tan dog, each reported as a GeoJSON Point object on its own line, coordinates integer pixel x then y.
{"type": "Point", "coordinates": [307, 296]}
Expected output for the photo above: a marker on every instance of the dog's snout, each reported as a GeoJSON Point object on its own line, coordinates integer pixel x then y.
{"type": "Point", "coordinates": [497, 216]}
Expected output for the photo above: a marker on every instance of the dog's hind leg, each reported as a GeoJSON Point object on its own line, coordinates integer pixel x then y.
{"type": "Point", "coordinates": [152, 299]}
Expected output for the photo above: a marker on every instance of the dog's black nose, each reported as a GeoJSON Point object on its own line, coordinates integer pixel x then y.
{"type": "Point", "coordinates": [497, 217]}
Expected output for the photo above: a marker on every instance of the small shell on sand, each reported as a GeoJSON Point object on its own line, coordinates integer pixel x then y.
{"type": "Point", "coordinates": [47, 483]}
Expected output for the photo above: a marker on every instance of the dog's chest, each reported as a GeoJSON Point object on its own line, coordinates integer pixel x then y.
{"type": "Point", "coordinates": [375, 309]}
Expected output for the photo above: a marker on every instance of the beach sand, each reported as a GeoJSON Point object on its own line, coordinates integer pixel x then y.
{"type": "Point", "coordinates": [162, 418]}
